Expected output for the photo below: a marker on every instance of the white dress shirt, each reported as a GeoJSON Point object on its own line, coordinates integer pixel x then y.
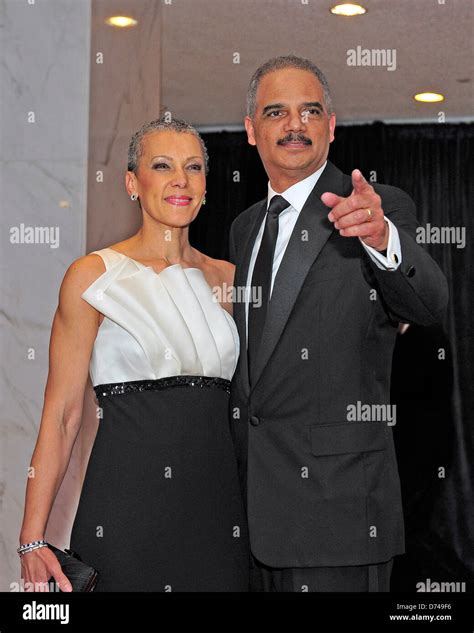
{"type": "Point", "coordinates": [296, 196]}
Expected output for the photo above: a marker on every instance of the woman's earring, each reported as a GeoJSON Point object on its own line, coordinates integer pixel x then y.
{"type": "Point", "coordinates": [204, 200]}
{"type": "Point", "coordinates": [134, 197]}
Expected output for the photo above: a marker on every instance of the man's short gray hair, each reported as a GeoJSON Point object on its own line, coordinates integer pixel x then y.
{"type": "Point", "coordinates": [135, 149]}
{"type": "Point", "coordinates": [285, 61]}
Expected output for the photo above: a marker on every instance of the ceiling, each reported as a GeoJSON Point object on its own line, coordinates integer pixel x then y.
{"type": "Point", "coordinates": [433, 43]}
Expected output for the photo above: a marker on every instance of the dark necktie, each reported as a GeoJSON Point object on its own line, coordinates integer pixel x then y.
{"type": "Point", "coordinates": [261, 279]}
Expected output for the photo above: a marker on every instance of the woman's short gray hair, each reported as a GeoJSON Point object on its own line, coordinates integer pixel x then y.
{"type": "Point", "coordinates": [285, 61]}
{"type": "Point", "coordinates": [135, 149]}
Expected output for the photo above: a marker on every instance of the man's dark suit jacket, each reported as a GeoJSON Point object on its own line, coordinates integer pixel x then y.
{"type": "Point", "coordinates": [322, 490]}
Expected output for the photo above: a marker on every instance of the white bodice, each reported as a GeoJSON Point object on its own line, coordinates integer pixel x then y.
{"type": "Point", "coordinates": [158, 324]}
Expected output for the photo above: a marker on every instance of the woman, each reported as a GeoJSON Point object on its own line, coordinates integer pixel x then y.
{"type": "Point", "coordinates": [160, 507]}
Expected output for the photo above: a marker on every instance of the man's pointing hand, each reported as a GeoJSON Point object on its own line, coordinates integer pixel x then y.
{"type": "Point", "coordinates": [360, 214]}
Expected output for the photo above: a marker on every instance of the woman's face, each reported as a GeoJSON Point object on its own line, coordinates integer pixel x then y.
{"type": "Point", "coordinates": [170, 180]}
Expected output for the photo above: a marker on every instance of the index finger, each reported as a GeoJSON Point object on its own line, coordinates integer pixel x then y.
{"type": "Point", "coordinates": [359, 183]}
{"type": "Point", "coordinates": [62, 580]}
{"type": "Point", "coordinates": [345, 206]}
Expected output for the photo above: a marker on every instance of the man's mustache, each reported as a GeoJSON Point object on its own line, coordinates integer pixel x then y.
{"type": "Point", "coordinates": [299, 138]}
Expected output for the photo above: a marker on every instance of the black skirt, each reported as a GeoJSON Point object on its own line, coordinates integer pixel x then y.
{"type": "Point", "coordinates": [161, 506]}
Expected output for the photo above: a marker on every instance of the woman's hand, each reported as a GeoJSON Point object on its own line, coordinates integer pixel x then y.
{"type": "Point", "coordinates": [38, 566]}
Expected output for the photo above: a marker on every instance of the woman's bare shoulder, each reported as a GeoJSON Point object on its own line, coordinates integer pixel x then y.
{"type": "Point", "coordinates": [222, 269]}
{"type": "Point", "coordinates": [82, 273]}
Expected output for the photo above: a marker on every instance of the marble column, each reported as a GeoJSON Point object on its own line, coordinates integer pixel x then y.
{"type": "Point", "coordinates": [44, 135]}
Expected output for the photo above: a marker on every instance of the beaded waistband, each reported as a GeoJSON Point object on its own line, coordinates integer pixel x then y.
{"type": "Point", "coordinates": [134, 386]}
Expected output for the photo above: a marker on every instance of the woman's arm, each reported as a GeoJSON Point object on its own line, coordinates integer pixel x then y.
{"type": "Point", "coordinates": [73, 334]}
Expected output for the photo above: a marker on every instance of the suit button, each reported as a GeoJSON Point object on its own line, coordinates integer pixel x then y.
{"type": "Point", "coordinates": [254, 421]}
{"type": "Point", "coordinates": [411, 271]}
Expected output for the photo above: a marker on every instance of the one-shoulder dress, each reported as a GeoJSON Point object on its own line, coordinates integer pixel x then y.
{"type": "Point", "coordinates": [161, 506]}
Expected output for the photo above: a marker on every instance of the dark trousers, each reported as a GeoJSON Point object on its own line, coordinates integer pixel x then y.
{"type": "Point", "coordinates": [360, 578]}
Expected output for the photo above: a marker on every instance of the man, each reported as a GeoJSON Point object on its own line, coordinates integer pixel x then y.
{"type": "Point", "coordinates": [338, 259]}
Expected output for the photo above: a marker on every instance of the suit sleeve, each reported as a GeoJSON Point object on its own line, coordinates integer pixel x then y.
{"type": "Point", "coordinates": [417, 292]}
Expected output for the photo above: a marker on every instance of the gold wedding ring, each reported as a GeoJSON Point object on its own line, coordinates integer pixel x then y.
{"type": "Point", "coordinates": [369, 215]}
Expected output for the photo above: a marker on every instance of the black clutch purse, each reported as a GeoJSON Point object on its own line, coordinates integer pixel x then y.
{"type": "Point", "coordinates": [82, 577]}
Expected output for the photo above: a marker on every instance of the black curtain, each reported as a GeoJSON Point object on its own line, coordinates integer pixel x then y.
{"type": "Point", "coordinates": [432, 389]}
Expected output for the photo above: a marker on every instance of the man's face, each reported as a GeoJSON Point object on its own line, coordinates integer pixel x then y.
{"type": "Point", "coordinates": [291, 126]}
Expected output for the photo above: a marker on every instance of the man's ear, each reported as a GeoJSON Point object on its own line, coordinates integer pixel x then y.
{"type": "Point", "coordinates": [332, 126]}
{"type": "Point", "coordinates": [250, 131]}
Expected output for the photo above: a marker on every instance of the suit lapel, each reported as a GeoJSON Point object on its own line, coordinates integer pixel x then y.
{"type": "Point", "coordinates": [240, 283]}
{"type": "Point", "coordinates": [297, 260]}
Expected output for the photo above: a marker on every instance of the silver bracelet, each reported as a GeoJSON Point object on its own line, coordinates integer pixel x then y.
{"type": "Point", "coordinates": [29, 547]}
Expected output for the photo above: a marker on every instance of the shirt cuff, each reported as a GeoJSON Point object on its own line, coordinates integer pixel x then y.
{"type": "Point", "coordinates": [393, 258]}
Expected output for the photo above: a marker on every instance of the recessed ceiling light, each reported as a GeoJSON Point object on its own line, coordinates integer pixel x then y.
{"type": "Point", "coordinates": [348, 9]}
{"type": "Point", "coordinates": [429, 97]}
{"type": "Point", "coordinates": [121, 21]}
